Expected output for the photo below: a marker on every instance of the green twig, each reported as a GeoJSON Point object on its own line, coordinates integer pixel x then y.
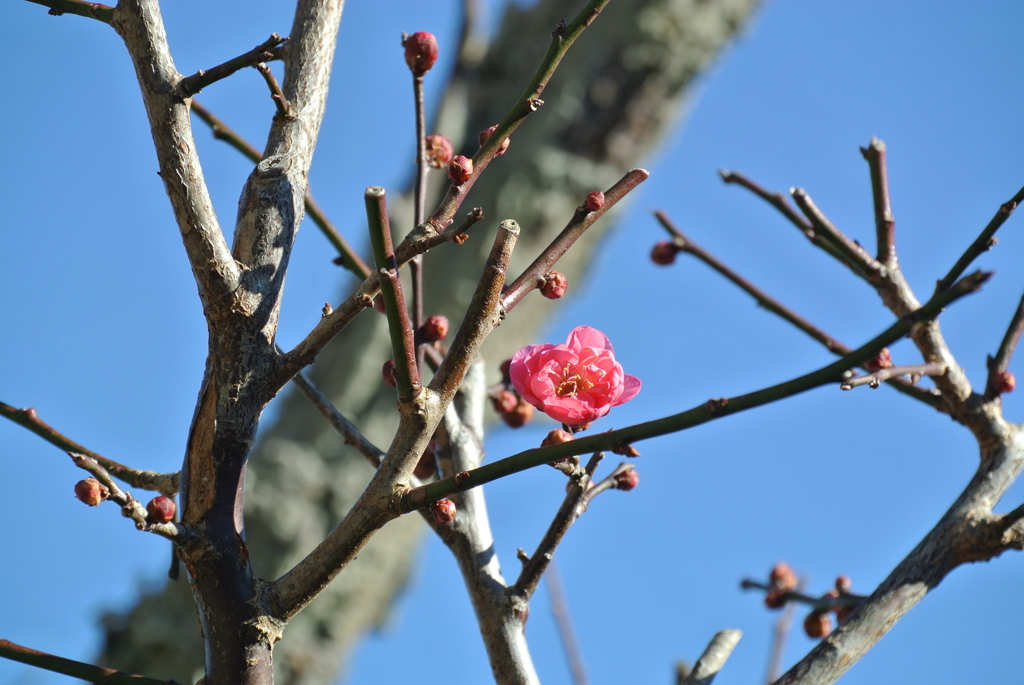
{"type": "Point", "coordinates": [75, 669]}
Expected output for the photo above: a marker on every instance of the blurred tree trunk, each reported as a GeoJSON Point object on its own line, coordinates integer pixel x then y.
{"type": "Point", "coordinates": [614, 99]}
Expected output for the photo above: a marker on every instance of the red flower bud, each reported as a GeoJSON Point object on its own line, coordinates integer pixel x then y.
{"type": "Point", "coordinates": [439, 151]}
{"type": "Point", "coordinates": [1004, 382]}
{"type": "Point", "coordinates": [626, 450]}
{"type": "Point", "coordinates": [486, 133]}
{"type": "Point", "coordinates": [460, 168]}
{"type": "Point", "coordinates": [420, 52]}
{"type": "Point", "coordinates": [387, 372]}
{"type": "Point", "coordinates": [843, 583]}
{"type": "Point", "coordinates": [882, 360]}
{"type": "Point", "coordinates": [555, 285]}
{"type": "Point", "coordinates": [443, 511]}
{"type": "Point", "coordinates": [594, 201]}
{"type": "Point", "coordinates": [435, 328]}
{"type": "Point", "coordinates": [378, 304]}
{"type": "Point", "coordinates": [782, 578]}
{"type": "Point", "coordinates": [160, 510]}
{"type": "Point", "coordinates": [91, 491]}
{"type": "Point", "coordinates": [664, 253]}
{"type": "Point", "coordinates": [520, 416]}
{"type": "Point", "coordinates": [556, 437]}
{"type": "Point", "coordinates": [774, 600]}
{"type": "Point", "coordinates": [817, 625]}
{"type": "Point", "coordinates": [506, 402]}
{"type": "Point", "coordinates": [427, 465]}
{"type": "Point", "coordinates": [504, 368]}
{"type": "Point", "coordinates": [627, 480]}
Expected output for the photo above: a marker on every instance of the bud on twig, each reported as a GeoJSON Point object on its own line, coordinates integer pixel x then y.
{"type": "Point", "coordinates": [460, 168]}
{"type": "Point", "coordinates": [594, 201]}
{"type": "Point", "coordinates": [520, 416]}
{"type": "Point", "coordinates": [160, 510]}
{"type": "Point", "coordinates": [627, 480]}
{"type": "Point", "coordinates": [91, 491]}
{"type": "Point", "coordinates": [387, 372]}
{"type": "Point", "coordinates": [443, 511]}
{"type": "Point", "coordinates": [882, 360]}
{"type": "Point", "coordinates": [439, 151]}
{"type": "Point", "coordinates": [1004, 382]}
{"type": "Point", "coordinates": [435, 328]}
{"type": "Point", "coordinates": [420, 52]}
{"type": "Point", "coordinates": [506, 402]}
{"type": "Point", "coordinates": [486, 133]}
{"type": "Point", "coordinates": [556, 437]}
{"type": "Point", "coordinates": [817, 625]}
{"type": "Point", "coordinates": [783, 577]}
{"type": "Point", "coordinates": [664, 253]}
{"type": "Point", "coordinates": [555, 285]}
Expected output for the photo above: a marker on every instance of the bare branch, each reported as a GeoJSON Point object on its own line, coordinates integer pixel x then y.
{"type": "Point", "coordinates": [855, 257]}
{"type": "Point", "coordinates": [885, 224]}
{"type": "Point", "coordinates": [998, 364]}
{"type": "Point", "coordinates": [193, 84]}
{"type": "Point", "coordinates": [346, 428]}
{"type": "Point", "coordinates": [164, 483]}
{"type": "Point", "coordinates": [713, 658]}
{"type": "Point", "coordinates": [876, 378]}
{"type": "Point", "coordinates": [280, 101]}
{"type": "Point", "coordinates": [90, 10]}
{"type": "Point", "coordinates": [566, 631]}
{"type": "Point", "coordinates": [75, 669]}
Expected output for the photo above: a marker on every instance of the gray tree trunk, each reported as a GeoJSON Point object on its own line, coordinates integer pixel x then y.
{"type": "Point", "coordinates": [616, 96]}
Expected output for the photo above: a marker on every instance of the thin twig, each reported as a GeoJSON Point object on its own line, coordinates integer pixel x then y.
{"type": "Point", "coordinates": [75, 669]}
{"type": "Point", "coordinates": [346, 428]}
{"type": "Point", "coordinates": [685, 244]}
{"type": "Point", "coordinates": [533, 276]}
{"type": "Point", "coordinates": [983, 242]}
{"type": "Point", "coordinates": [999, 363]}
{"type": "Point", "coordinates": [876, 378]}
{"type": "Point", "coordinates": [164, 483]}
{"type": "Point", "coordinates": [419, 210]}
{"type": "Point", "coordinates": [825, 603]}
{"type": "Point", "coordinates": [400, 328]}
{"type": "Point", "coordinates": [350, 259]}
{"type": "Point", "coordinates": [190, 85]}
{"type": "Point", "coordinates": [566, 630]}
{"type": "Point", "coordinates": [852, 255]}
{"type": "Point", "coordinates": [713, 658]}
{"type": "Point", "coordinates": [885, 224]}
{"type": "Point", "coordinates": [284, 109]}
{"type": "Point", "coordinates": [89, 10]}
{"type": "Point", "coordinates": [417, 498]}
{"type": "Point", "coordinates": [779, 637]}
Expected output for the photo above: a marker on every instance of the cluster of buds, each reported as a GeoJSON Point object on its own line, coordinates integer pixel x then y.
{"type": "Point", "coordinates": [818, 623]}
{"type": "Point", "coordinates": [486, 133]}
{"type": "Point", "coordinates": [781, 580]}
{"type": "Point", "coordinates": [664, 253]}
{"type": "Point", "coordinates": [509, 404]}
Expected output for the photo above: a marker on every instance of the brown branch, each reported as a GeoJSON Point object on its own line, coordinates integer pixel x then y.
{"type": "Point", "coordinates": [824, 603]}
{"type": "Point", "coordinates": [75, 669]}
{"type": "Point", "coordinates": [346, 428]}
{"type": "Point", "coordinates": [998, 364]}
{"type": "Point", "coordinates": [983, 242]}
{"type": "Point", "coordinates": [164, 483]}
{"type": "Point", "coordinates": [190, 85]}
{"type": "Point", "coordinates": [683, 243]}
{"type": "Point", "coordinates": [419, 209]}
{"type": "Point", "coordinates": [533, 276]}
{"type": "Point", "coordinates": [280, 101]}
{"type": "Point", "coordinates": [348, 257]}
{"type": "Point", "coordinates": [885, 224]}
{"type": "Point", "coordinates": [852, 255]}
{"type": "Point", "coordinates": [876, 378]}
{"type": "Point", "coordinates": [566, 631]}
{"type": "Point", "coordinates": [89, 10]}
{"type": "Point", "coordinates": [709, 411]}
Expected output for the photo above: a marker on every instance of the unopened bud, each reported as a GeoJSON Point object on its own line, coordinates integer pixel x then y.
{"type": "Point", "coordinates": [626, 450]}
{"type": "Point", "coordinates": [775, 600]}
{"type": "Point", "coordinates": [505, 402]}
{"type": "Point", "coordinates": [443, 511]}
{"type": "Point", "coordinates": [664, 253]}
{"type": "Point", "coordinates": [460, 168]}
{"type": "Point", "coordinates": [555, 285]}
{"type": "Point", "coordinates": [387, 372]}
{"type": "Point", "coordinates": [160, 510]}
{"type": "Point", "coordinates": [843, 583]}
{"type": "Point", "coordinates": [520, 416]}
{"type": "Point", "coordinates": [627, 480]}
{"type": "Point", "coordinates": [817, 625]}
{"type": "Point", "coordinates": [420, 52]}
{"type": "Point", "coordinates": [505, 368]}
{"type": "Point", "coordinates": [427, 465]}
{"type": "Point", "coordinates": [435, 328]}
{"type": "Point", "coordinates": [594, 201]}
{"type": "Point", "coordinates": [486, 133]}
{"type": "Point", "coordinates": [378, 304]}
{"type": "Point", "coordinates": [783, 577]}
{"type": "Point", "coordinates": [882, 360]}
{"type": "Point", "coordinates": [556, 437]}
{"type": "Point", "coordinates": [1004, 382]}
{"type": "Point", "coordinates": [439, 151]}
{"type": "Point", "coordinates": [91, 491]}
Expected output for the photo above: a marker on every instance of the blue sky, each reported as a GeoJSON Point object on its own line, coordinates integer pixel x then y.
{"type": "Point", "coordinates": [103, 334]}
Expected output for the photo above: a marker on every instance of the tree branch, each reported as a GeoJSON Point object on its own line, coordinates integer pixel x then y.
{"type": "Point", "coordinates": [885, 224]}
{"type": "Point", "coordinates": [75, 669]}
{"type": "Point", "coordinates": [190, 85]}
{"type": "Point", "coordinates": [164, 483]}
{"type": "Point", "coordinates": [89, 10]}
{"type": "Point", "coordinates": [998, 364]}
{"type": "Point", "coordinates": [714, 657]}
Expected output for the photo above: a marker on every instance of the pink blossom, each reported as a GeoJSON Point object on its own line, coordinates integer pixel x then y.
{"type": "Point", "coordinates": [574, 383]}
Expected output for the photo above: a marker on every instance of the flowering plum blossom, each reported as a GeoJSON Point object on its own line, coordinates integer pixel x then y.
{"type": "Point", "coordinates": [574, 383]}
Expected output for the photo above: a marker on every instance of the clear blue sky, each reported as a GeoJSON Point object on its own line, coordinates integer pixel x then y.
{"type": "Point", "coordinates": [103, 334]}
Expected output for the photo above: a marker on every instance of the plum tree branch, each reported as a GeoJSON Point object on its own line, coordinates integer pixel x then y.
{"type": "Point", "coordinates": [75, 669]}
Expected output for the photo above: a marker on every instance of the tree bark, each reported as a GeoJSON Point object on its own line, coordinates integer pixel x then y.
{"type": "Point", "coordinates": [616, 96]}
